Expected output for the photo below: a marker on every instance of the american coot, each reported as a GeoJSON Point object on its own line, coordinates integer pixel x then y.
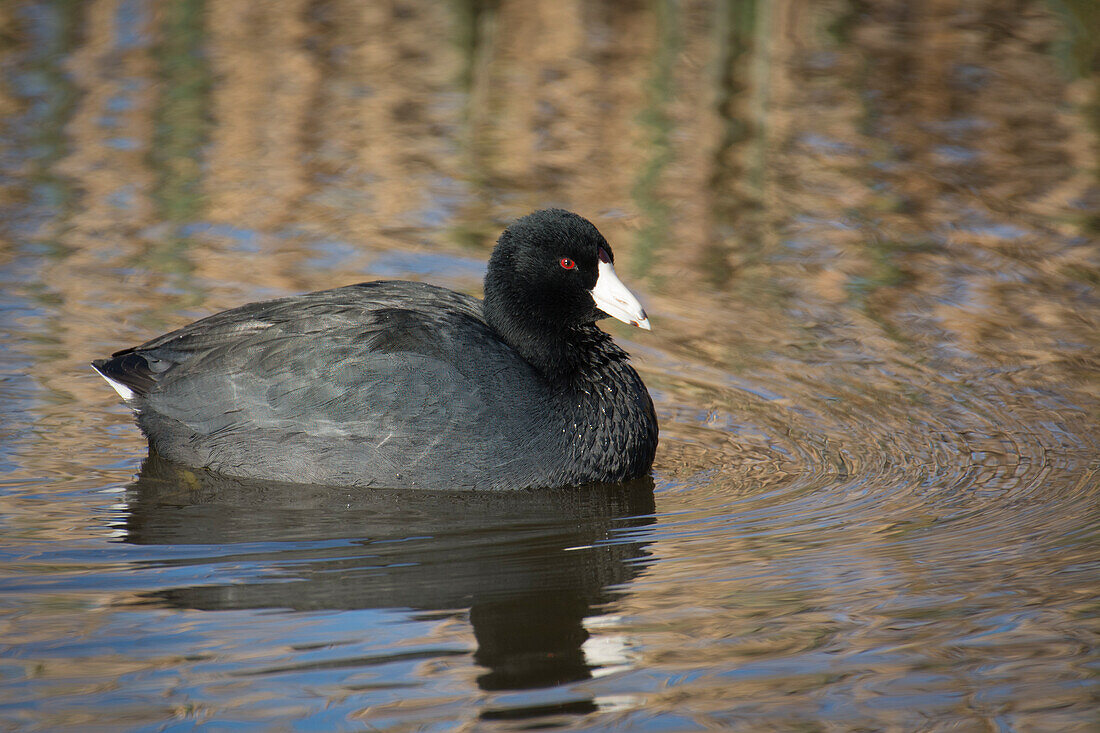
{"type": "Point", "coordinates": [407, 385]}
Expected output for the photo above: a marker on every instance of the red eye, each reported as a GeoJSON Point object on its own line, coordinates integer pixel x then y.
{"type": "Point", "coordinates": [567, 263]}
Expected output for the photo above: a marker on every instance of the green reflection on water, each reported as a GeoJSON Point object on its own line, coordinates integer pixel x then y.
{"type": "Point", "coordinates": [180, 117]}
{"type": "Point", "coordinates": [657, 124]}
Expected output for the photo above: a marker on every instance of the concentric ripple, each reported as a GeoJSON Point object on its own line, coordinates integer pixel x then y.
{"type": "Point", "coordinates": [878, 441]}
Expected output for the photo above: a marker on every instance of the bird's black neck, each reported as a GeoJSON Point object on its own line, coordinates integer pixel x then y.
{"type": "Point", "coordinates": [587, 374]}
{"type": "Point", "coordinates": [565, 356]}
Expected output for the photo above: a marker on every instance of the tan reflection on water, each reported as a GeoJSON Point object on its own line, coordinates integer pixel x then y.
{"type": "Point", "coordinates": [260, 104]}
{"type": "Point", "coordinates": [866, 234]}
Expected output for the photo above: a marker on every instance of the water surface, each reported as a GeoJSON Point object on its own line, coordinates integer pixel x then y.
{"type": "Point", "coordinates": [867, 237]}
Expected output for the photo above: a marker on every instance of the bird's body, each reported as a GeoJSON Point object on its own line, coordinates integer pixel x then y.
{"type": "Point", "coordinates": [397, 384]}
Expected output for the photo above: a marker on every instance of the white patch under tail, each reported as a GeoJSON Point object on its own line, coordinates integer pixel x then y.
{"type": "Point", "coordinates": [125, 392]}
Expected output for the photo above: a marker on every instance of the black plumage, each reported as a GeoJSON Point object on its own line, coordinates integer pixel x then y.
{"type": "Point", "coordinates": [407, 385]}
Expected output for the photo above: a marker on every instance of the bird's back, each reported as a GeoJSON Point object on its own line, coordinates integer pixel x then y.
{"type": "Point", "coordinates": [377, 384]}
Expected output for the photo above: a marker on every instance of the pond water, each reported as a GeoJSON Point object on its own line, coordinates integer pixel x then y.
{"type": "Point", "coordinates": [868, 237]}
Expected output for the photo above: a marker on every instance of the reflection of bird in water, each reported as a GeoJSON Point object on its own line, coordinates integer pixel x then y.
{"type": "Point", "coordinates": [406, 385]}
{"type": "Point", "coordinates": [530, 566]}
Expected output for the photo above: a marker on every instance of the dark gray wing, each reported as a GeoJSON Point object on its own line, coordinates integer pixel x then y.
{"type": "Point", "coordinates": [377, 383]}
{"type": "Point", "coordinates": [140, 367]}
